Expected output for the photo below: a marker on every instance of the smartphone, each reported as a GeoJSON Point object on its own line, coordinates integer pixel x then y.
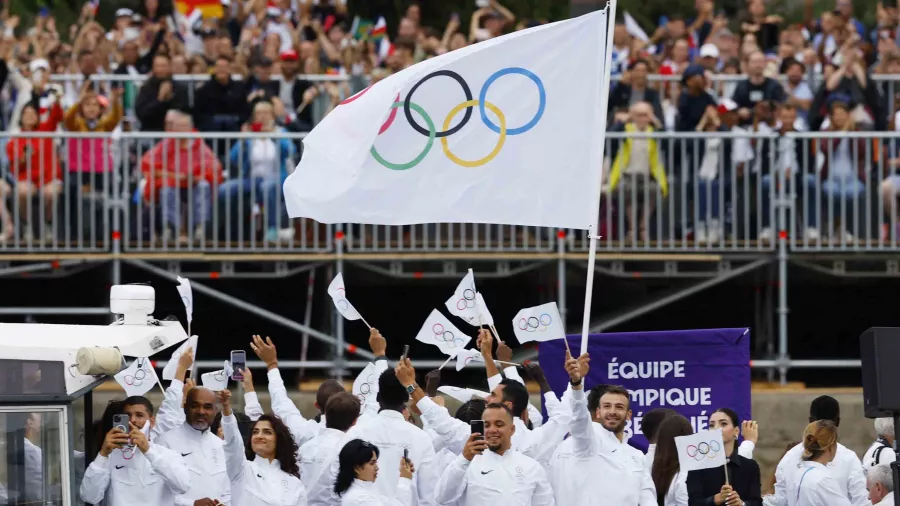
{"type": "Point", "coordinates": [238, 363]}
{"type": "Point", "coordinates": [477, 426]}
{"type": "Point", "coordinates": [455, 17]}
{"type": "Point", "coordinates": [121, 422]}
{"type": "Point", "coordinates": [406, 454]}
{"type": "Point", "coordinates": [187, 375]}
{"type": "Point", "coordinates": [405, 352]}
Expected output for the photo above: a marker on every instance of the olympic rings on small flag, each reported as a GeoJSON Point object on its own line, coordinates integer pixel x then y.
{"type": "Point", "coordinates": [136, 380]}
{"type": "Point", "coordinates": [703, 450]}
{"type": "Point", "coordinates": [536, 323]}
{"type": "Point", "coordinates": [446, 337]}
{"type": "Point", "coordinates": [481, 103]}
{"type": "Point", "coordinates": [343, 304]}
{"type": "Point", "coordinates": [467, 301]}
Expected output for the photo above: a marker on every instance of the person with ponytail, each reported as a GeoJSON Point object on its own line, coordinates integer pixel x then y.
{"type": "Point", "coordinates": [266, 474]}
{"type": "Point", "coordinates": [670, 482]}
{"type": "Point", "coordinates": [811, 483]}
{"type": "Point", "coordinates": [355, 483]}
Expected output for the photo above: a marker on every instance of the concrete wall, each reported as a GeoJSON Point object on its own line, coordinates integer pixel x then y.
{"type": "Point", "coordinates": [782, 416]}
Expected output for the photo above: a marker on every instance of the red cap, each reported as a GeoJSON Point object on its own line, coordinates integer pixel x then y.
{"type": "Point", "coordinates": [289, 55]}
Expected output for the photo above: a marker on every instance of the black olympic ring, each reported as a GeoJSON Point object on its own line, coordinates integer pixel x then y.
{"type": "Point", "coordinates": [447, 336]}
{"type": "Point", "coordinates": [467, 301]}
{"type": "Point", "coordinates": [701, 450]}
{"type": "Point", "coordinates": [424, 131]}
{"type": "Point", "coordinates": [219, 375]}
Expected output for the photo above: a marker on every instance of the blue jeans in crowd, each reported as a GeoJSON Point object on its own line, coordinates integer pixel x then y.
{"type": "Point", "coordinates": [709, 190]}
{"type": "Point", "coordinates": [265, 191]}
{"type": "Point", "coordinates": [170, 200]}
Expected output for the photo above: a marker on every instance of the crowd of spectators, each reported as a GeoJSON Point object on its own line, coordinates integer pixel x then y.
{"type": "Point", "coordinates": [279, 65]}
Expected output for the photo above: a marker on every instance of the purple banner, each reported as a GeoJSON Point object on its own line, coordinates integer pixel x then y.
{"type": "Point", "coordinates": [693, 372]}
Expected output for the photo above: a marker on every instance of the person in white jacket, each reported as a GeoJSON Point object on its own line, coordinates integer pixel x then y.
{"type": "Point", "coordinates": [880, 482]}
{"type": "Point", "coordinates": [358, 470]}
{"type": "Point", "coordinates": [490, 472]}
{"type": "Point", "coordinates": [595, 466]}
{"type": "Point", "coordinates": [845, 468]}
{"type": "Point", "coordinates": [268, 474]}
{"type": "Point", "coordinates": [131, 468]}
{"type": "Point", "coordinates": [669, 480]}
{"type": "Point", "coordinates": [202, 450]}
{"type": "Point", "coordinates": [341, 411]}
{"type": "Point", "coordinates": [809, 482]}
{"type": "Point", "coordinates": [303, 429]}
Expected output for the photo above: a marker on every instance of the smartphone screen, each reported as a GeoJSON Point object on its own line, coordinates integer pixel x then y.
{"type": "Point", "coordinates": [477, 426]}
{"type": "Point", "coordinates": [406, 454]}
{"type": "Point", "coordinates": [238, 363]}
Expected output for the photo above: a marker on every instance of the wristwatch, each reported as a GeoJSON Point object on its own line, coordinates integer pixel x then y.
{"type": "Point", "coordinates": [411, 388]}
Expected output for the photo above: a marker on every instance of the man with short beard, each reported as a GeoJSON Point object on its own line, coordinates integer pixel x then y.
{"type": "Point", "coordinates": [202, 451]}
{"type": "Point", "coordinates": [489, 472]}
{"type": "Point", "coordinates": [595, 467]}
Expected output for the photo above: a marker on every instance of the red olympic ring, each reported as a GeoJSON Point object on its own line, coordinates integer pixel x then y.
{"type": "Point", "coordinates": [688, 451]}
{"type": "Point", "coordinates": [393, 115]}
{"type": "Point", "coordinates": [435, 327]}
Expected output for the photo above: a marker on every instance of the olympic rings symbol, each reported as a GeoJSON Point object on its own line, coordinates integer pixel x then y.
{"type": "Point", "coordinates": [127, 452]}
{"type": "Point", "coordinates": [430, 130]}
{"type": "Point", "coordinates": [343, 304]}
{"type": "Point", "coordinates": [703, 450]}
{"type": "Point", "coordinates": [467, 301]}
{"type": "Point", "coordinates": [138, 378]}
{"type": "Point", "coordinates": [535, 323]}
{"type": "Point", "coordinates": [446, 336]}
{"type": "Point", "coordinates": [366, 388]}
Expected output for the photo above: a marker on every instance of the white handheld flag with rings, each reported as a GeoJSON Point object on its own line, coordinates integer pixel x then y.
{"type": "Point", "coordinates": [504, 131]}
{"type": "Point", "coordinates": [339, 296]}
{"type": "Point", "coordinates": [702, 450]}
{"type": "Point", "coordinates": [138, 378]}
{"type": "Point", "coordinates": [438, 331]}
{"type": "Point", "coordinates": [539, 323]}
{"type": "Point", "coordinates": [464, 302]}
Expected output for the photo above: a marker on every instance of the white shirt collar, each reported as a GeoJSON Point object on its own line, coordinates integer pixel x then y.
{"type": "Point", "coordinates": [390, 413]}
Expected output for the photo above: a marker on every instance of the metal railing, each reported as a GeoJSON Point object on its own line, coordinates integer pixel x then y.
{"type": "Point", "coordinates": [202, 192]}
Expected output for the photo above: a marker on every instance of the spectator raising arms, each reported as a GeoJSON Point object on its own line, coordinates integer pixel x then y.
{"type": "Point", "coordinates": [91, 157]}
{"type": "Point", "coordinates": [181, 170]}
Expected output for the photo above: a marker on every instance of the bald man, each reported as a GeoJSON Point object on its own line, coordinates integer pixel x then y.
{"type": "Point", "coordinates": [202, 451]}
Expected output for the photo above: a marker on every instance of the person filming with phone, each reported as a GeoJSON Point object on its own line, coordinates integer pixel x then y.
{"type": "Point", "coordinates": [489, 472]}
{"type": "Point", "coordinates": [131, 467]}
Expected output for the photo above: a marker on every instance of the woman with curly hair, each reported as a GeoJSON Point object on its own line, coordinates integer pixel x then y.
{"type": "Point", "coordinates": [266, 473]}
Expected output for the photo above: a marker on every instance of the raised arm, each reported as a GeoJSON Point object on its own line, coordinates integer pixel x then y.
{"type": "Point", "coordinates": [580, 427]}
{"type": "Point", "coordinates": [453, 433]}
{"type": "Point", "coordinates": [451, 486]}
{"type": "Point", "coordinates": [485, 343]}
{"type": "Point", "coordinates": [302, 429]}
{"type": "Point", "coordinates": [235, 458]}
{"type": "Point", "coordinates": [171, 412]}
{"type": "Point", "coordinates": [252, 408]}
{"type": "Point", "coordinates": [169, 465]}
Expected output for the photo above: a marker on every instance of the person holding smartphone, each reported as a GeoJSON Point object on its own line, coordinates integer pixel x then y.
{"type": "Point", "coordinates": [489, 472]}
{"type": "Point", "coordinates": [131, 468]}
{"type": "Point", "coordinates": [355, 483]}
{"type": "Point", "coordinates": [267, 474]}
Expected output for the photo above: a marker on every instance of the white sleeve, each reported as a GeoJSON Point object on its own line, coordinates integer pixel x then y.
{"type": "Point", "coordinates": [512, 373]}
{"type": "Point", "coordinates": [404, 493]}
{"type": "Point", "coordinates": [829, 493]}
{"type": "Point", "coordinates": [427, 473]}
{"type": "Point", "coordinates": [535, 416]}
{"type": "Point", "coordinates": [580, 426]}
{"type": "Point", "coordinates": [453, 433]}
{"type": "Point", "coordinates": [95, 481]}
{"type": "Point", "coordinates": [252, 408]}
{"type": "Point", "coordinates": [170, 466]}
{"type": "Point", "coordinates": [543, 492]}
{"type": "Point", "coordinates": [451, 486]}
{"type": "Point", "coordinates": [856, 484]}
{"type": "Point", "coordinates": [235, 458]}
{"type": "Point", "coordinates": [170, 413]}
{"type": "Point", "coordinates": [648, 491]}
{"type": "Point", "coordinates": [493, 381]}
{"type": "Point", "coordinates": [780, 496]}
{"type": "Point", "coordinates": [746, 449]}
{"type": "Point", "coordinates": [302, 429]}
{"type": "Point", "coordinates": [544, 440]}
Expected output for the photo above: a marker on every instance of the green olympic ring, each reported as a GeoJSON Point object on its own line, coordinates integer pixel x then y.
{"type": "Point", "coordinates": [415, 161]}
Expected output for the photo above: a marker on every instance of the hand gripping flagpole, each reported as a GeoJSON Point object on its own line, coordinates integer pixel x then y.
{"type": "Point", "coordinates": [598, 163]}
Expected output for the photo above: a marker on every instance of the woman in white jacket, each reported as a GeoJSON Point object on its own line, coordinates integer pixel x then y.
{"type": "Point", "coordinates": [355, 483]}
{"type": "Point", "coordinates": [266, 474]}
{"type": "Point", "coordinates": [670, 482]}
{"type": "Point", "coordinates": [809, 482]}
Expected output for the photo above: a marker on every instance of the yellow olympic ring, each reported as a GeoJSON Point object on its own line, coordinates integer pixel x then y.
{"type": "Point", "coordinates": [477, 163]}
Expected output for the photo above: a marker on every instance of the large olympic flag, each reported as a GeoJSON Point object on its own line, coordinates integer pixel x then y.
{"type": "Point", "coordinates": [507, 131]}
{"type": "Point", "coordinates": [693, 372]}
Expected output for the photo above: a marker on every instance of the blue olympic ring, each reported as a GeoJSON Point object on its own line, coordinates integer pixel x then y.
{"type": "Point", "coordinates": [541, 93]}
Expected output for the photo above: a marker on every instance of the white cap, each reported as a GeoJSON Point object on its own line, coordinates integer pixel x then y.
{"type": "Point", "coordinates": [124, 13]}
{"type": "Point", "coordinates": [709, 51]}
{"type": "Point", "coordinates": [727, 105]}
{"type": "Point", "coordinates": [39, 63]}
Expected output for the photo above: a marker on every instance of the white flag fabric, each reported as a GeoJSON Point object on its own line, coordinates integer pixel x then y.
{"type": "Point", "coordinates": [229, 370]}
{"type": "Point", "coordinates": [503, 131]}
{"type": "Point", "coordinates": [462, 394]}
{"type": "Point", "coordinates": [702, 450]}
{"type": "Point", "coordinates": [366, 384]}
{"type": "Point", "coordinates": [484, 316]}
{"type": "Point", "coordinates": [138, 378]}
{"type": "Point", "coordinates": [438, 331]}
{"type": "Point", "coordinates": [215, 381]}
{"type": "Point", "coordinates": [634, 29]}
{"type": "Point", "coordinates": [187, 297]}
{"type": "Point", "coordinates": [339, 296]}
{"type": "Point", "coordinates": [466, 357]}
{"type": "Point", "coordinates": [168, 372]}
{"type": "Point", "coordinates": [464, 302]}
{"type": "Point", "coordinates": [539, 323]}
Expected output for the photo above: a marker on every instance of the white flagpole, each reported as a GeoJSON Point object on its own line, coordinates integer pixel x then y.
{"type": "Point", "coordinates": [598, 162]}
{"type": "Point", "coordinates": [451, 357]}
